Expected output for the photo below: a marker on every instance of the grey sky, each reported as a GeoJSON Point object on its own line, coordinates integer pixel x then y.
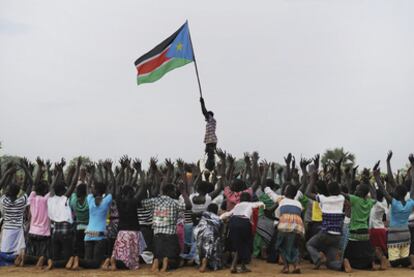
{"type": "Point", "coordinates": [292, 75]}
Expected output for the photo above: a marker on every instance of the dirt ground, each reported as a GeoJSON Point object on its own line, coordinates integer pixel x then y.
{"type": "Point", "coordinates": [259, 268]}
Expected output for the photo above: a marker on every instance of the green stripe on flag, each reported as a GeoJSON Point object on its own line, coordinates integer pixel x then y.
{"type": "Point", "coordinates": [162, 70]}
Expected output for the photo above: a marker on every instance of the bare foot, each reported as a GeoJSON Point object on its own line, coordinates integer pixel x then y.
{"type": "Point", "coordinates": [285, 269]}
{"type": "Point", "coordinates": [75, 265]}
{"type": "Point", "coordinates": [22, 260]}
{"type": "Point", "coordinates": [243, 269]}
{"type": "Point", "coordinates": [155, 265]}
{"type": "Point", "coordinates": [69, 264]}
{"type": "Point", "coordinates": [49, 264]}
{"type": "Point", "coordinates": [18, 260]}
{"type": "Point", "coordinates": [112, 264]}
{"type": "Point", "coordinates": [347, 266]}
{"type": "Point", "coordinates": [40, 262]}
{"type": "Point", "coordinates": [203, 265]}
{"type": "Point", "coordinates": [384, 263]}
{"type": "Point", "coordinates": [164, 265]}
{"type": "Point", "coordinates": [105, 265]}
{"type": "Point", "coordinates": [412, 261]}
{"type": "Point", "coordinates": [375, 267]}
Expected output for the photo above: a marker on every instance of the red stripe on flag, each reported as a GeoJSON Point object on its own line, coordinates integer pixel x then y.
{"type": "Point", "coordinates": [153, 64]}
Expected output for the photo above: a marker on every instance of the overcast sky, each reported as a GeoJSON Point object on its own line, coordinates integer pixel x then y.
{"type": "Point", "coordinates": [295, 76]}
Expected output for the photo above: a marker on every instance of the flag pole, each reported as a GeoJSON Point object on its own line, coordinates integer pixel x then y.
{"type": "Point", "coordinates": [195, 63]}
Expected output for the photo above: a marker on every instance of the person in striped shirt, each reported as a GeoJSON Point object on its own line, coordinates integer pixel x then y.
{"type": "Point", "coordinates": [210, 138]}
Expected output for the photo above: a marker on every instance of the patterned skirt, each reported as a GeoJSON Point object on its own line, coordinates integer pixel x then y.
{"type": "Point", "coordinates": [128, 246]}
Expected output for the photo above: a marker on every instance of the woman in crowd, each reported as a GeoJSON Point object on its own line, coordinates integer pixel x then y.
{"type": "Point", "coordinates": [153, 197]}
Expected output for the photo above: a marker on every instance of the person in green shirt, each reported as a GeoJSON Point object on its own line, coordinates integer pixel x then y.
{"type": "Point", "coordinates": [80, 209]}
{"type": "Point", "coordinates": [359, 252]}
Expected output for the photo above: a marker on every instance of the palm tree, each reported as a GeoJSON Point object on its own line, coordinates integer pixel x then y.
{"type": "Point", "coordinates": [336, 154]}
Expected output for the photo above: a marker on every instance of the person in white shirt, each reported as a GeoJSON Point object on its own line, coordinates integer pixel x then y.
{"type": "Point", "coordinates": [240, 231]}
{"type": "Point", "coordinates": [377, 230]}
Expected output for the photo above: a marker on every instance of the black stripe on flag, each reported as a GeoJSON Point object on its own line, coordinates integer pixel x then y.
{"type": "Point", "coordinates": [159, 48]}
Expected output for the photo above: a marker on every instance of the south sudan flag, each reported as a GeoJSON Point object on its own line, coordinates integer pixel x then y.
{"type": "Point", "coordinates": [173, 52]}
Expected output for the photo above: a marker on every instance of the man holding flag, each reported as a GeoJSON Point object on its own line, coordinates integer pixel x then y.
{"type": "Point", "coordinates": [176, 51]}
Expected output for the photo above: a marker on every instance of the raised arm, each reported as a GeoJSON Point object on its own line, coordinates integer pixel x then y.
{"type": "Point", "coordinates": [390, 176]}
{"type": "Point", "coordinates": [27, 176]}
{"type": "Point", "coordinates": [203, 108]}
{"type": "Point", "coordinates": [411, 159]}
{"type": "Point", "coordinates": [288, 173]}
{"type": "Point", "coordinates": [7, 176]}
{"type": "Point", "coordinates": [338, 170]}
{"type": "Point", "coordinates": [305, 177]}
{"type": "Point", "coordinates": [75, 178]}
{"type": "Point", "coordinates": [247, 167]}
{"type": "Point", "coordinates": [58, 176]}
{"type": "Point", "coordinates": [377, 176]}
{"type": "Point", "coordinates": [313, 179]}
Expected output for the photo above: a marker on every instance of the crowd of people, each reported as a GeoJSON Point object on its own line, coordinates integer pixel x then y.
{"type": "Point", "coordinates": [175, 214]}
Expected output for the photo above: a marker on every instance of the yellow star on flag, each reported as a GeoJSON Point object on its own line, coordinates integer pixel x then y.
{"type": "Point", "coordinates": [179, 46]}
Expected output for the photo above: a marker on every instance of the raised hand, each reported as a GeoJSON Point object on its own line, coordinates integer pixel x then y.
{"type": "Point", "coordinates": [411, 159]}
{"type": "Point", "coordinates": [247, 159]}
{"type": "Point", "coordinates": [107, 164]}
{"type": "Point", "coordinates": [316, 160]}
{"type": "Point", "coordinates": [221, 154]}
{"type": "Point", "coordinates": [304, 163]}
{"type": "Point", "coordinates": [376, 170]}
{"type": "Point", "coordinates": [288, 159]}
{"type": "Point", "coordinates": [389, 156]}
{"type": "Point", "coordinates": [230, 159]}
{"type": "Point", "coordinates": [137, 164]}
{"type": "Point", "coordinates": [62, 163]}
{"type": "Point", "coordinates": [40, 162]}
{"type": "Point", "coordinates": [153, 163]}
{"type": "Point", "coordinates": [124, 161]}
{"type": "Point", "coordinates": [169, 164]}
{"type": "Point", "coordinates": [339, 162]}
{"type": "Point", "coordinates": [48, 164]}
{"type": "Point", "coordinates": [24, 162]}
{"type": "Point", "coordinates": [255, 157]}
{"type": "Point", "coordinates": [376, 166]}
{"type": "Point", "coordinates": [273, 167]}
{"type": "Point", "coordinates": [90, 168]}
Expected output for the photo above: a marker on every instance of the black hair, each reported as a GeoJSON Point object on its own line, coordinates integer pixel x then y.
{"type": "Point", "coordinates": [127, 191]}
{"type": "Point", "coordinates": [334, 188]}
{"type": "Point", "coordinates": [59, 188]}
{"type": "Point", "coordinates": [238, 185]}
{"type": "Point", "coordinates": [100, 188]}
{"type": "Point", "coordinates": [81, 190]}
{"type": "Point", "coordinates": [400, 192]}
{"type": "Point", "coordinates": [270, 183]}
{"type": "Point", "coordinates": [245, 197]}
{"type": "Point", "coordinates": [291, 191]}
{"type": "Point", "coordinates": [204, 187]}
{"type": "Point", "coordinates": [321, 187]}
{"type": "Point", "coordinates": [169, 190]}
{"type": "Point", "coordinates": [210, 113]}
{"type": "Point", "coordinates": [380, 195]}
{"type": "Point", "coordinates": [212, 208]}
{"type": "Point", "coordinates": [12, 191]}
{"type": "Point", "coordinates": [41, 188]}
{"type": "Point", "coordinates": [363, 190]}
